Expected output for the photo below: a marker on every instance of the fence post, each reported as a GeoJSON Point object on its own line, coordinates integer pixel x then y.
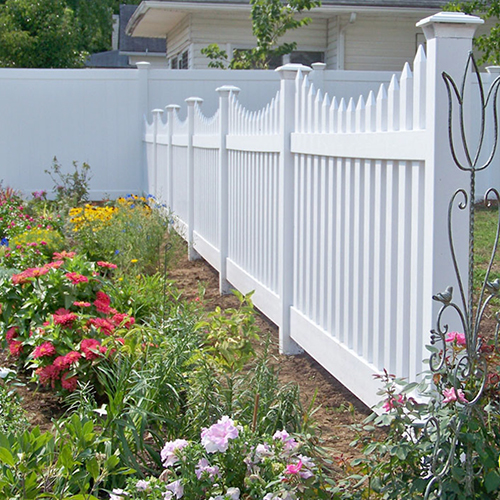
{"type": "Point", "coordinates": [224, 92]}
{"type": "Point", "coordinates": [191, 101]}
{"type": "Point", "coordinates": [170, 156]}
{"type": "Point", "coordinates": [449, 42]}
{"type": "Point", "coordinates": [288, 74]}
{"type": "Point", "coordinates": [153, 182]}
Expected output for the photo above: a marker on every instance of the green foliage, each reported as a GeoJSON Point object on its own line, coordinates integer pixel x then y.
{"type": "Point", "coordinates": [39, 34]}
{"type": "Point", "coordinates": [488, 44]}
{"type": "Point", "coordinates": [271, 20]}
{"type": "Point", "coordinates": [12, 415]}
{"type": "Point", "coordinates": [70, 189]}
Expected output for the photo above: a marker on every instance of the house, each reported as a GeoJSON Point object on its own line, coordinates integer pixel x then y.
{"type": "Point", "coordinates": [345, 34]}
{"type": "Point", "coordinates": [126, 50]}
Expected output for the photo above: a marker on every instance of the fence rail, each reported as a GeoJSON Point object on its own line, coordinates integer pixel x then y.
{"type": "Point", "coordinates": [331, 210]}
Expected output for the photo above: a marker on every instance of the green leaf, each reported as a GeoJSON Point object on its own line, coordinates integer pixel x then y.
{"type": "Point", "coordinates": [492, 481]}
{"type": "Point", "coordinates": [6, 457]}
{"type": "Point", "coordinates": [92, 467]}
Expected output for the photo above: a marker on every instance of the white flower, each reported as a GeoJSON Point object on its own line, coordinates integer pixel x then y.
{"type": "Point", "coordinates": [233, 493]}
{"type": "Point", "coordinates": [176, 488]}
{"type": "Point", "coordinates": [142, 485]}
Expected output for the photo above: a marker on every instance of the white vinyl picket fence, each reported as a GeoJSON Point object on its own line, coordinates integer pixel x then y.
{"type": "Point", "coordinates": [334, 212]}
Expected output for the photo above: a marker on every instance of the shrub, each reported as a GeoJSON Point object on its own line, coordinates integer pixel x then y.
{"type": "Point", "coordinates": [70, 189]}
{"type": "Point", "coordinates": [130, 232]}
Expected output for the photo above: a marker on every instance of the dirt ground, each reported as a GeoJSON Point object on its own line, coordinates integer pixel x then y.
{"type": "Point", "coordinates": [337, 409]}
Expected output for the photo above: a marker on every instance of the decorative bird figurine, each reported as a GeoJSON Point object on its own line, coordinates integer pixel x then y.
{"type": "Point", "coordinates": [444, 297]}
{"type": "Point", "coordinates": [493, 286]}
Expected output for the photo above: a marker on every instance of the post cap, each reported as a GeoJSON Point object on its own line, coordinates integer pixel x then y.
{"type": "Point", "coordinates": [289, 71]}
{"type": "Point", "coordinates": [143, 65]}
{"type": "Point", "coordinates": [449, 25]}
{"type": "Point", "coordinates": [171, 107]}
{"type": "Point", "coordinates": [193, 100]}
{"type": "Point", "coordinates": [228, 89]}
{"type": "Point", "coordinates": [318, 66]}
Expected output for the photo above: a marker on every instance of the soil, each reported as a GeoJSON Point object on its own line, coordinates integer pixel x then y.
{"type": "Point", "coordinates": [337, 408]}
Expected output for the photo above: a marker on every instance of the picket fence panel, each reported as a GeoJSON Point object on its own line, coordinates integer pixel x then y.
{"type": "Point", "coordinates": [322, 207]}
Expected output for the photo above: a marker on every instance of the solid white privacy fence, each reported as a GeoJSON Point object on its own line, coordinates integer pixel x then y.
{"type": "Point", "coordinates": [334, 212]}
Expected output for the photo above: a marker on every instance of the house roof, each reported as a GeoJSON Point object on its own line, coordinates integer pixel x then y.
{"type": "Point", "coordinates": [137, 45]}
{"type": "Point", "coordinates": [155, 18]}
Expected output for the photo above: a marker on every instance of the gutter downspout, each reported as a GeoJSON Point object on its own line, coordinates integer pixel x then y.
{"type": "Point", "coordinates": [341, 48]}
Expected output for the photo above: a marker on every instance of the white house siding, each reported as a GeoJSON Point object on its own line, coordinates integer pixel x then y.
{"type": "Point", "coordinates": [376, 42]}
{"type": "Point", "coordinates": [179, 39]}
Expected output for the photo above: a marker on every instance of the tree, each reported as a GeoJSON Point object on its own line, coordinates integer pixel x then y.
{"type": "Point", "coordinates": [489, 44]}
{"type": "Point", "coordinates": [271, 19]}
{"type": "Point", "coordinates": [54, 33]}
{"type": "Point", "coordinates": [38, 34]}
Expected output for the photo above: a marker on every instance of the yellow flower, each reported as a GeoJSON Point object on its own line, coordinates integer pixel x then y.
{"type": "Point", "coordinates": [134, 261]}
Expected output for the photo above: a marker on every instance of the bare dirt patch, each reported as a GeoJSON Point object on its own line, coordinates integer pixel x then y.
{"type": "Point", "coordinates": [338, 408]}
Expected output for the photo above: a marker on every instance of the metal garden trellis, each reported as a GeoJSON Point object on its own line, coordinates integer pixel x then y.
{"type": "Point", "coordinates": [471, 369]}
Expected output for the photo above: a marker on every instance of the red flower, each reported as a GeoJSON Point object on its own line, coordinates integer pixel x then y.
{"type": "Point", "coordinates": [47, 374]}
{"type": "Point", "coordinates": [64, 317]}
{"type": "Point", "coordinates": [16, 348]}
{"type": "Point", "coordinates": [102, 324]}
{"type": "Point", "coordinates": [106, 265]}
{"type": "Point", "coordinates": [78, 303]}
{"type": "Point", "coordinates": [69, 383]}
{"type": "Point", "coordinates": [11, 334]}
{"type": "Point", "coordinates": [76, 278]}
{"type": "Point", "coordinates": [102, 302]}
{"type": "Point", "coordinates": [90, 348]}
{"type": "Point", "coordinates": [60, 364]}
{"type": "Point", "coordinates": [122, 319]}
{"type": "Point", "coordinates": [72, 357]}
{"type": "Point", "coordinates": [45, 349]}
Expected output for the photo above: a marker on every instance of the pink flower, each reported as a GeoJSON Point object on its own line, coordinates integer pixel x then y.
{"type": "Point", "coordinates": [47, 374]}
{"type": "Point", "coordinates": [76, 278]}
{"type": "Point", "coordinates": [106, 265]}
{"type": "Point", "coordinates": [63, 255]}
{"type": "Point", "coordinates": [168, 453]}
{"type": "Point", "coordinates": [216, 437]}
{"type": "Point", "coordinates": [45, 349]}
{"type": "Point", "coordinates": [454, 395]}
{"type": "Point", "coordinates": [293, 468]}
{"type": "Point", "coordinates": [102, 302]}
{"type": "Point", "coordinates": [203, 467]}
{"type": "Point", "coordinates": [392, 402]}
{"type": "Point", "coordinates": [458, 338]}
{"type": "Point", "coordinates": [61, 363]}
{"type": "Point", "coordinates": [122, 319]}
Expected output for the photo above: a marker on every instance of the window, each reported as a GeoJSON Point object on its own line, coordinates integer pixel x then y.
{"type": "Point", "coordinates": [306, 57]}
{"type": "Point", "coordinates": [180, 61]}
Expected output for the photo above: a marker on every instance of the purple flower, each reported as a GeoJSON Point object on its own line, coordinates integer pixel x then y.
{"type": "Point", "coordinates": [204, 467]}
{"type": "Point", "coordinates": [176, 488]}
{"type": "Point", "coordinates": [288, 441]}
{"type": "Point", "coordinates": [216, 437]}
{"type": "Point", "coordinates": [168, 453]}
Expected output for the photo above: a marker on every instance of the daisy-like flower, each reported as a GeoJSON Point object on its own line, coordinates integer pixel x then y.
{"type": "Point", "coordinates": [63, 255]}
{"type": "Point", "coordinates": [64, 318]}
{"type": "Point", "coordinates": [76, 278]}
{"type": "Point", "coordinates": [44, 350]}
{"type": "Point", "coordinates": [106, 265]}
